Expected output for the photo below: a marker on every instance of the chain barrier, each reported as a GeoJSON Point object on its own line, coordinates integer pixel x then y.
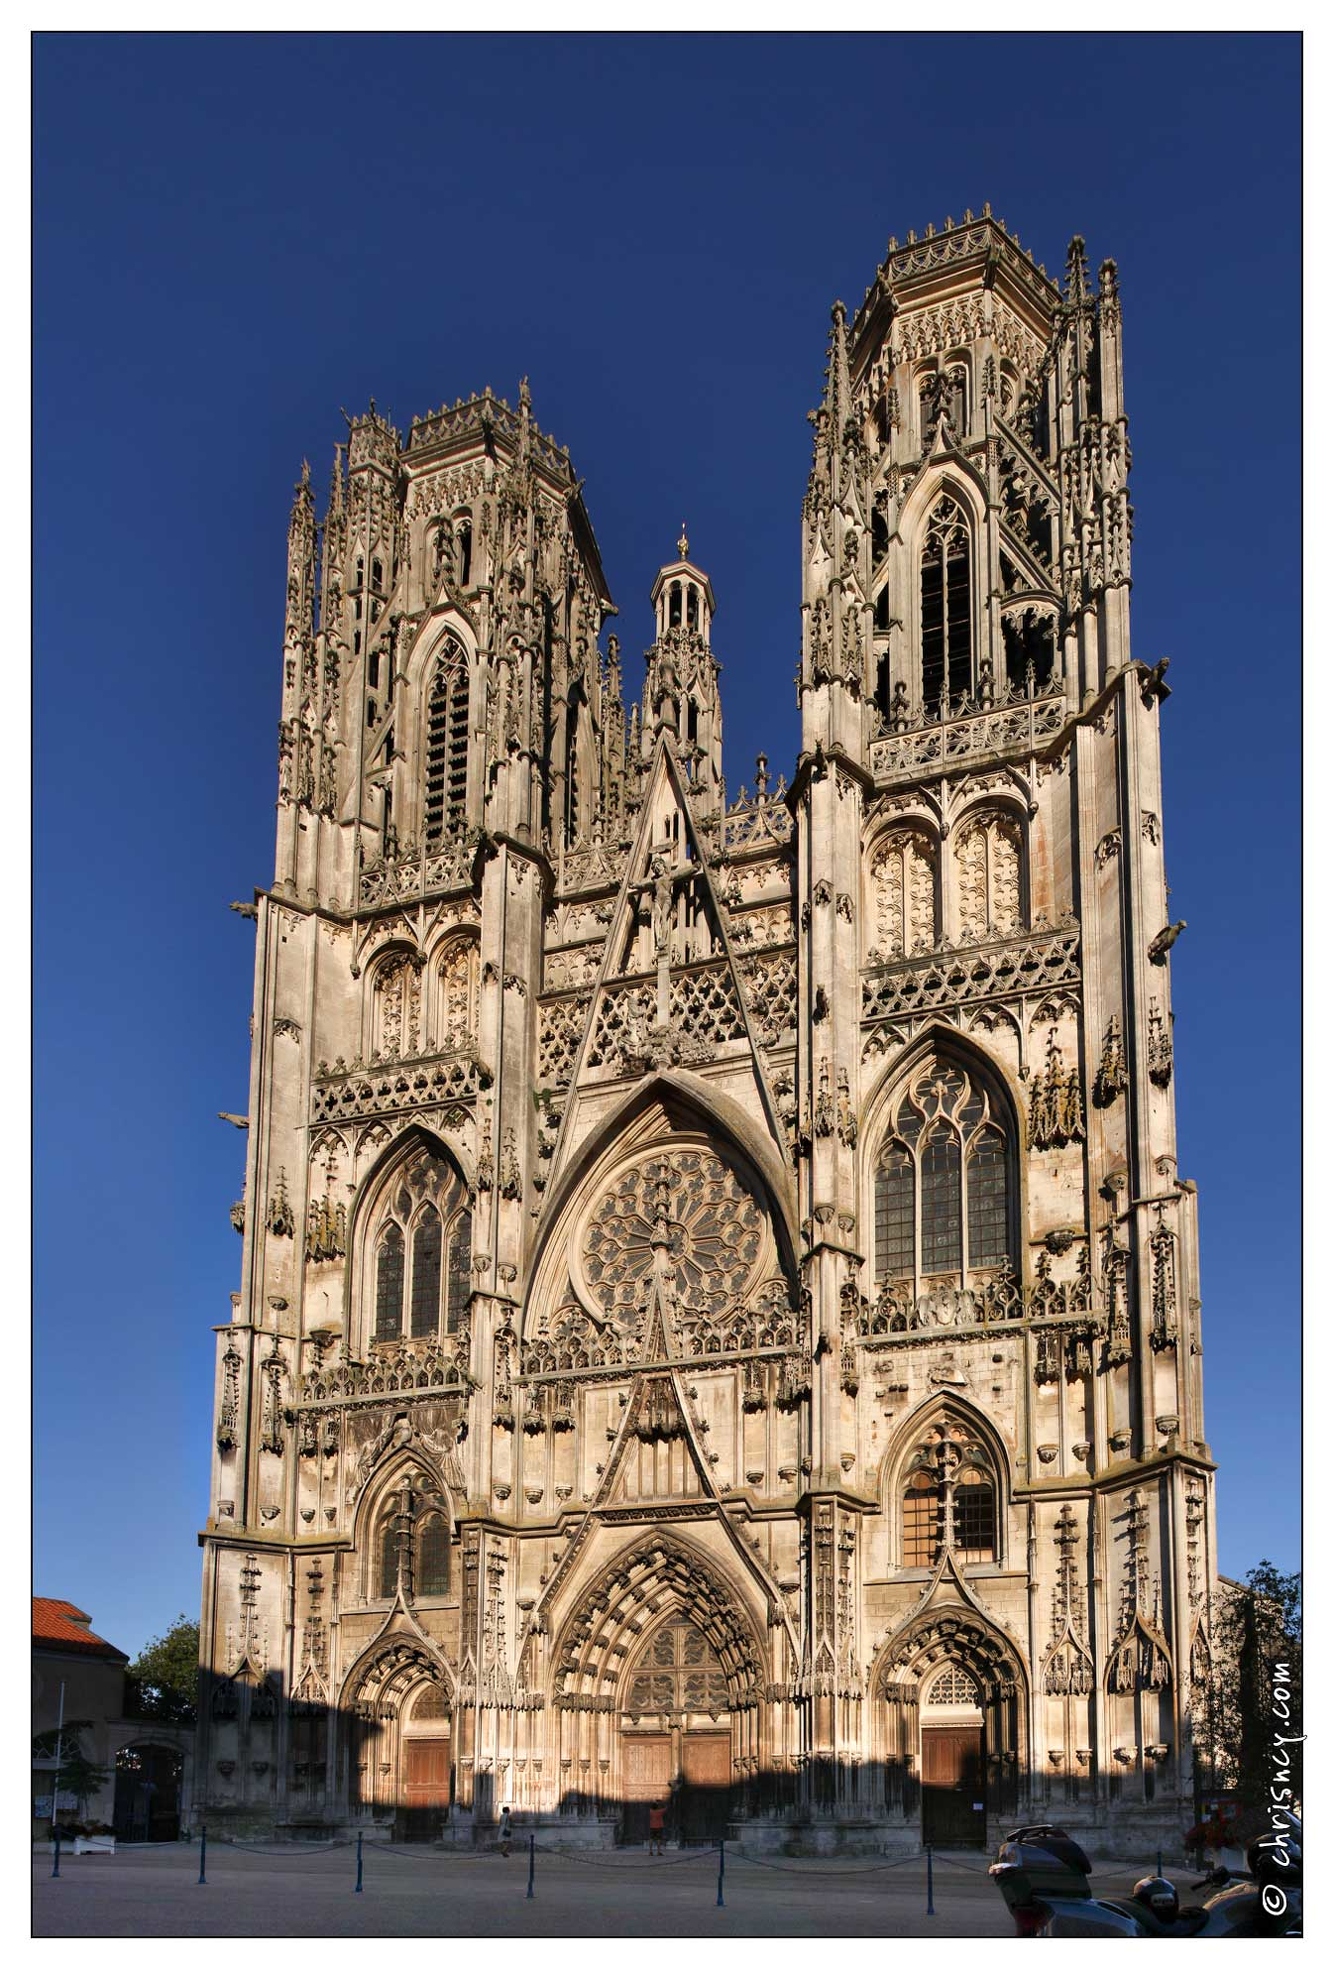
{"type": "Point", "coordinates": [833, 1873]}
{"type": "Point", "coordinates": [966, 1866]}
{"type": "Point", "coordinates": [629, 1866]}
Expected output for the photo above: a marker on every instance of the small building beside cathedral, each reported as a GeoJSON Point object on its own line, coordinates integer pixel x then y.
{"type": "Point", "coordinates": [719, 1317]}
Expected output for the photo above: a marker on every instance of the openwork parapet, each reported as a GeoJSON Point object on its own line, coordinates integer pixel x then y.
{"type": "Point", "coordinates": [407, 878]}
{"type": "Point", "coordinates": [398, 1086]}
{"type": "Point", "coordinates": [995, 732]}
{"type": "Point", "coordinates": [1009, 969]}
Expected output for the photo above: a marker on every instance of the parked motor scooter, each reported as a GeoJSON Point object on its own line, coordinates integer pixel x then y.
{"type": "Point", "coordinates": [1043, 1875]}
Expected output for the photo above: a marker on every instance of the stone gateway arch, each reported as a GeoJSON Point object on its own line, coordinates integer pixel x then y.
{"type": "Point", "coordinates": [719, 1320]}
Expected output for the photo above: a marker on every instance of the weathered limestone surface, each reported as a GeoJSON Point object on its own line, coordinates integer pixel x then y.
{"type": "Point", "coordinates": [718, 1310]}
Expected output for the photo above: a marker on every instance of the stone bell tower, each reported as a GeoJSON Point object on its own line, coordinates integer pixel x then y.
{"type": "Point", "coordinates": [998, 1237]}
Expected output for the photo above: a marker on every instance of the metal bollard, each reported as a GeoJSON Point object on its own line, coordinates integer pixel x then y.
{"type": "Point", "coordinates": [357, 1888]}
{"type": "Point", "coordinates": [203, 1854]}
{"type": "Point", "coordinates": [55, 1841]}
{"type": "Point", "coordinates": [930, 1886]}
{"type": "Point", "coordinates": [721, 1858]}
{"type": "Point", "coordinates": [532, 1862]}
{"type": "Point", "coordinates": [1159, 1868]}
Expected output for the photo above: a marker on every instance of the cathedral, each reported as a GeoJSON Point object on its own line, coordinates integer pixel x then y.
{"type": "Point", "coordinates": [719, 1317]}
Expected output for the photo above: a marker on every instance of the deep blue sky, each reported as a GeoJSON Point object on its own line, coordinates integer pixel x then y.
{"type": "Point", "coordinates": [237, 235]}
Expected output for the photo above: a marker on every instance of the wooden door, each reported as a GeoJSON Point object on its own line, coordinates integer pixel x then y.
{"type": "Point", "coordinates": [425, 1803]}
{"type": "Point", "coordinates": [705, 1797]}
{"type": "Point", "coordinates": [646, 1777]}
{"type": "Point", "coordinates": [953, 1795]}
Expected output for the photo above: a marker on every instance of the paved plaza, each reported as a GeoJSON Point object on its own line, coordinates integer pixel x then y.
{"type": "Point", "coordinates": [154, 1892]}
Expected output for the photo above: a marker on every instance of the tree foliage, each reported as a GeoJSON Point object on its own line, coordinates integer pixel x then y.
{"type": "Point", "coordinates": [163, 1680]}
{"type": "Point", "coordinates": [1255, 1689]}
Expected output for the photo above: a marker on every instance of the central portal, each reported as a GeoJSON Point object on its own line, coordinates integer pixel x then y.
{"type": "Point", "coordinates": [676, 1738]}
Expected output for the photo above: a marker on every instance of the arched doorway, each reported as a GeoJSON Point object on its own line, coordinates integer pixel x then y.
{"type": "Point", "coordinates": [953, 1780]}
{"type": "Point", "coordinates": [148, 1793]}
{"type": "Point", "coordinates": [676, 1736]}
{"type": "Point", "coordinates": [949, 1723]}
{"type": "Point", "coordinates": [399, 1707]}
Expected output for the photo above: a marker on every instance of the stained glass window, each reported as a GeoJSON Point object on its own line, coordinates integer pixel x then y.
{"type": "Point", "coordinates": [945, 1170]}
{"type": "Point", "coordinates": [411, 1264]}
{"type": "Point", "coordinates": [432, 1557]}
{"type": "Point", "coordinates": [389, 1285]}
{"type": "Point", "coordinates": [426, 1242]}
{"type": "Point", "coordinates": [460, 1272]}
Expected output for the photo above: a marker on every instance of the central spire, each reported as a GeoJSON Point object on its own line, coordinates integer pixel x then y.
{"type": "Point", "coordinates": [681, 688]}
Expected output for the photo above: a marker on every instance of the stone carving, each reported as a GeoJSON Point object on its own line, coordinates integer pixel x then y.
{"type": "Point", "coordinates": [903, 887]}
{"type": "Point", "coordinates": [560, 1027]}
{"type": "Point", "coordinates": [326, 1228]}
{"type": "Point", "coordinates": [1159, 1047]}
{"type": "Point", "coordinates": [988, 853]}
{"type": "Point", "coordinates": [1006, 970]}
{"type": "Point", "coordinates": [1056, 1106]}
{"type": "Point", "coordinates": [1110, 1079]}
{"type": "Point", "coordinates": [1162, 1248]}
{"type": "Point", "coordinates": [280, 1220]}
{"type": "Point", "coordinates": [689, 1203]}
{"type": "Point", "coordinates": [229, 1406]}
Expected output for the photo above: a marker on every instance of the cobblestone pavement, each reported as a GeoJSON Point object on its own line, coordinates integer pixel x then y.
{"type": "Point", "coordinates": [154, 1892]}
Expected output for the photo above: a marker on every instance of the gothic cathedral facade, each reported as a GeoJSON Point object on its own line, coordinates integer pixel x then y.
{"type": "Point", "coordinates": [719, 1315]}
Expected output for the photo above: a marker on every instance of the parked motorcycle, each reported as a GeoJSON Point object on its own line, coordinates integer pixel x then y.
{"type": "Point", "coordinates": [1043, 1875]}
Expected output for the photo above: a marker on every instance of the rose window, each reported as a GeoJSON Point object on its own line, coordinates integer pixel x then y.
{"type": "Point", "coordinates": [692, 1204]}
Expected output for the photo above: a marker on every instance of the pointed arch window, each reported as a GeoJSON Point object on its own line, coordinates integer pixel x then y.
{"type": "Point", "coordinates": [423, 1254]}
{"type": "Point", "coordinates": [944, 1185]}
{"type": "Point", "coordinates": [447, 747]}
{"type": "Point", "coordinates": [947, 606]}
{"type": "Point", "coordinates": [948, 1496]}
{"type": "Point", "coordinates": [415, 1525]}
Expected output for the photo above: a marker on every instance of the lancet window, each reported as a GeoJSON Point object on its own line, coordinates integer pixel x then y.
{"type": "Point", "coordinates": [422, 1254]}
{"type": "Point", "coordinates": [947, 606]}
{"type": "Point", "coordinates": [415, 1527]}
{"type": "Point", "coordinates": [903, 887]}
{"type": "Point", "coordinates": [948, 1497]}
{"type": "Point", "coordinates": [944, 1186]}
{"type": "Point", "coordinates": [988, 855]}
{"type": "Point", "coordinates": [447, 746]}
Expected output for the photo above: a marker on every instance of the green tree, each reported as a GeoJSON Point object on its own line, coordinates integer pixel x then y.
{"type": "Point", "coordinates": [76, 1773]}
{"type": "Point", "coordinates": [163, 1681]}
{"type": "Point", "coordinates": [1255, 1690]}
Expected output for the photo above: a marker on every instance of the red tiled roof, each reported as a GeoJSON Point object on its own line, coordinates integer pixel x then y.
{"type": "Point", "coordinates": [60, 1624]}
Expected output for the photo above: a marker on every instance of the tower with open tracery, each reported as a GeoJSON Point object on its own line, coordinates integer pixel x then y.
{"type": "Point", "coordinates": [719, 1315]}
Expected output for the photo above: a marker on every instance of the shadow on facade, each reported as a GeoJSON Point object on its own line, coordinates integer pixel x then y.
{"type": "Point", "coordinates": [270, 1762]}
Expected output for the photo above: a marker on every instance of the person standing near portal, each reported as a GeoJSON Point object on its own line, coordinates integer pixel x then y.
{"type": "Point", "coordinates": [506, 1832]}
{"type": "Point", "coordinates": [657, 1824]}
